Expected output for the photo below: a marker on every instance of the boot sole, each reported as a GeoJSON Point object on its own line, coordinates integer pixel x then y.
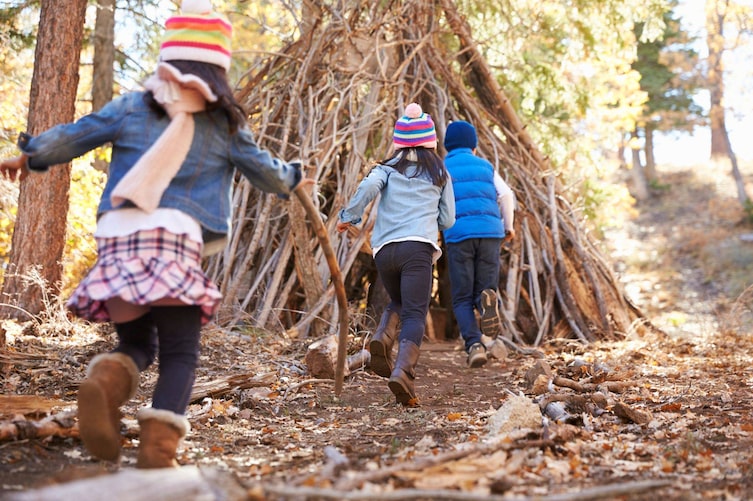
{"type": "Point", "coordinates": [95, 428]}
{"type": "Point", "coordinates": [477, 362]}
{"type": "Point", "coordinates": [402, 395]}
{"type": "Point", "coordinates": [490, 323]}
{"type": "Point", "coordinates": [380, 362]}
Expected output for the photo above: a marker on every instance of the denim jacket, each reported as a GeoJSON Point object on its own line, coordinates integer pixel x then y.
{"type": "Point", "coordinates": [410, 208]}
{"type": "Point", "coordinates": [201, 188]}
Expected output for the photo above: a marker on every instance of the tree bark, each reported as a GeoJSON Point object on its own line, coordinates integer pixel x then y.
{"type": "Point", "coordinates": [742, 193]}
{"type": "Point", "coordinates": [715, 14]}
{"type": "Point", "coordinates": [721, 147]}
{"type": "Point", "coordinates": [39, 235]}
{"type": "Point", "coordinates": [104, 54]}
{"type": "Point", "coordinates": [104, 59]}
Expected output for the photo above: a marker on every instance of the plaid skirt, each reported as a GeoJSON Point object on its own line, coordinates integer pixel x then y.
{"type": "Point", "coordinates": [142, 268]}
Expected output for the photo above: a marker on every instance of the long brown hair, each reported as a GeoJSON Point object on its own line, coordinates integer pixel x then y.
{"type": "Point", "coordinates": [216, 78]}
{"type": "Point", "coordinates": [426, 161]}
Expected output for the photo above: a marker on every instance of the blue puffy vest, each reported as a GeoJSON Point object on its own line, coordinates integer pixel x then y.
{"type": "Point", "coordinates": [476, 210]}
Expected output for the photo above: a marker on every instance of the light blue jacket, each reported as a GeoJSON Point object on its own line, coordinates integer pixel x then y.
{"type": "Point", "coordinates": [201, 188]}
{"type": "Point", "coordinates": [410, 208]}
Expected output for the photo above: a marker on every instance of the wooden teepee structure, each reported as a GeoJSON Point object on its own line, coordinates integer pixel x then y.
{"type": "Point", "coordinates": [331, 99]}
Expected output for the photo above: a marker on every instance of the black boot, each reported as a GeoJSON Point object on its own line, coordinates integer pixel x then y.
{"type": "Point", "coordinates": [404, 373]}
{"type": "Point", "coordinates": [382, 342]}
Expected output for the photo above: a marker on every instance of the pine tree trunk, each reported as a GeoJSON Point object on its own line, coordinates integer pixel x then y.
{"type": "Point", "coordinates": [39, 235]}
{"type": "Point", "coordinates": [104, 54]}
{"type": "Point", "coordinates": [721, 147]}
{"type": "Point", "coordinates": [104, 59]}
{"type": "Point", "coordinates": [715, 14]}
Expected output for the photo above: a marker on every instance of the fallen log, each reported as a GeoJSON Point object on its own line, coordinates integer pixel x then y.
{"type": "Point", "coordinates": [58, 425]}
{"type": "Point", "coordinates": [223, 386]}
{"type": "Point", "coordinates": [610, 491]}
{"type": "Point", "coordinates": [187, 482]}
{"type": "Point", "coordinates": [613, 386]}
{"type": "Point", "coordinates": [13, 405]}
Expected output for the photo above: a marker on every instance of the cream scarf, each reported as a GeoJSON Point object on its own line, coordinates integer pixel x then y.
{"type": "Point", "coordinates": [181, 95]}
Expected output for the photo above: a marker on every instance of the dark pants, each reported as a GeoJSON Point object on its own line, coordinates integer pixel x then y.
{"type": "Point", "coordinates": [406, 272]}
{"type": "Point", "coordinates": [474, 266]}
{"type": "Point", "coordinates": [174, 332]}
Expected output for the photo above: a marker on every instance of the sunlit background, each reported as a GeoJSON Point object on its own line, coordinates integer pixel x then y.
{"type": "Point", "coordinates": [688, 149]}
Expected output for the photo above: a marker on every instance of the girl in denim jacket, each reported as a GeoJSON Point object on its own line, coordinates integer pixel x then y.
{"type": "Point", "coordinates": [416, 203]}
{"type": "Point", "coordinates": [175, 148]}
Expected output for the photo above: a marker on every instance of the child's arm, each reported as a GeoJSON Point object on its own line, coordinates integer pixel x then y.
{"type": "Point", "coordinates": [15, 168]}
{"type": "Point", "coordinates": [506, 201]}
{"type": "Point", "coordinates": [446, 216]}
{"type": "Point", "coordinates": [367, 191]}
{"type": "Point", "coordinates": [264, 171]}
{"type": "Point", "coordinates": [62, 143]}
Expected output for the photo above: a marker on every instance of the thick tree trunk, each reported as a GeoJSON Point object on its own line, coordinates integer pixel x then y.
{"type": "Point", "coordinates": [104, 54]}
{"type": "Point", "coordinates": [104, 59]}
{"type": "Point", "coordinates": [721, 147]}
{"type": "Point", "coordinates": [39, 235]}
{"type": "Point", "coordinates": [715, 14]}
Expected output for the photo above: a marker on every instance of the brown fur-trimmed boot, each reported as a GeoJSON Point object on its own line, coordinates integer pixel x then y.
{"type": "Point", "coordinates": [161, 433]}
{"type": "Point", "coordinates": [381, 344]}
{"type": "Point", "coordinates": [111, 380]}
{"type": "Point", "coordinates": [404, 373]}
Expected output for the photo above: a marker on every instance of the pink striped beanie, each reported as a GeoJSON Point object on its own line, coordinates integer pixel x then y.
{"type": "Point", "coordinates": [415, 129]}
{"type": "Point", "coordinates": [197, 34]}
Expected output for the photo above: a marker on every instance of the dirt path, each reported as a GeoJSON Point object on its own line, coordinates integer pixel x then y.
{"type": "Point", "coordinates": [692, 388]}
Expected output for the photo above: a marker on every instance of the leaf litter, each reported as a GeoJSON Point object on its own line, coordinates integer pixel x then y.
{"type": "Point", "coordinates": [661, 416]}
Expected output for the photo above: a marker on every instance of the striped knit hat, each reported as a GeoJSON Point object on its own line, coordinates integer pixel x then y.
{"type": "Point", "coordinates": [415, 129]}
{"type": "Point", "coordinates": [197, 34]}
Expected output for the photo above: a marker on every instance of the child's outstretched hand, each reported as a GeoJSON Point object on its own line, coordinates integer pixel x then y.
{"type": "Point", "coordinates": [342, 226]}
{"type": "Point", "coordinates": [304, 184]}
{"type": "Point", "coordinates": [14, 168]}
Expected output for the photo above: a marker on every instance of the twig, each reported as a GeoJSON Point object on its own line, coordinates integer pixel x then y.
{"type": "Point", "coordinates": [304, 383]}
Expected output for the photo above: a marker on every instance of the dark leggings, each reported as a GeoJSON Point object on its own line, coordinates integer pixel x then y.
{"type": "Point", "coordinates": [406, 272]}
{"type": "Point", "coordinates": [174, 333]}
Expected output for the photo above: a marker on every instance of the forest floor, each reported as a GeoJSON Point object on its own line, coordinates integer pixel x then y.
{"type": "Point", "coordinates": [676, 423]}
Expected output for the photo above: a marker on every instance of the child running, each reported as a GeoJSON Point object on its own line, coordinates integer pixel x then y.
{"type": "Point", "coordinates": [473, 243]}
{"type": "Point", "coordinates": [416, 203]}
{"type": "Point", "coordinates": [166, 203]}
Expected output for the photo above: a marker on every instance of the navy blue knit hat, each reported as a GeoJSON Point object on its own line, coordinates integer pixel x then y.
{"type": "Point", "coordinates": [460, 134]}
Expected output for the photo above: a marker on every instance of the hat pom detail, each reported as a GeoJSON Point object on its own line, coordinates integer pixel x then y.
{"type": "Point", "coordinates": [196, 6]}
{"type": "Point", "coordinates": [414, 129]}
{"type": "Point", "coordinates": [413, 110]}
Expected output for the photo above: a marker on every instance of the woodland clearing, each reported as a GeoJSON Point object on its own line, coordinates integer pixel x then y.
{"type": "Point", "coordinates": [677, 424]}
